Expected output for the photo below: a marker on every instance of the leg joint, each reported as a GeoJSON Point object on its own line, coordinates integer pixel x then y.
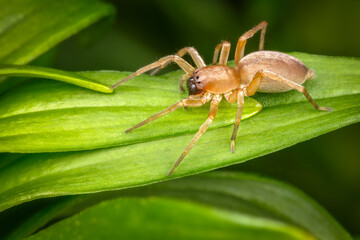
{"type": "Point", "coordinates": [260, 73]}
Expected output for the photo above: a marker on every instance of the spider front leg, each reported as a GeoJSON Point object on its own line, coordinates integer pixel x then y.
{"type": "Point", "coordinates": [183, 103]}
{"type": "Point", "coordinates": [183, 78]}
{"type": "Point", "coordinates": [162, 61]}
{"type": "Point", "coordinates": [240, 47]}
{"type": "Point", "coordinates": [203, 128]}
{"type": "Point", "coordinates": [256, 81]}
{"type": "Point", "coordinates": [224, 47]}
{"type": "Point", "coordinates": [199, 62]}
{"type": "Point", "coordinates": [240, 102]}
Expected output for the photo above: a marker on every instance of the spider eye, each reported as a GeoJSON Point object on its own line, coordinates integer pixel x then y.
{"type": "Point", "coordinates": [191, 86]}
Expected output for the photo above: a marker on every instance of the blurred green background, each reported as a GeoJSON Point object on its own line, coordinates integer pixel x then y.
{"type": "Point", "coordinates": [327, 168]}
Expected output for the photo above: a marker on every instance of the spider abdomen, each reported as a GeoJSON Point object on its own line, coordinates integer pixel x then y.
{"type": "Point", "coordinates": [279, 63]}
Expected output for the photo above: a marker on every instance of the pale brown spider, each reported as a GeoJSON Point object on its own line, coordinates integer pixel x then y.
{"type": "Point", "coordinates": [263, 71]}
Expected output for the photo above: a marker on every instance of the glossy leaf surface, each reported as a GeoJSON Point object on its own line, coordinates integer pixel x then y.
{"type": "Point", "coordinates": [29, 28]}
{"type": "Point", "coordinates": [55, 74]}
{"type": "Point", "coordinates": [163, 219]}
{"type": "Point", "coordinates": [45, 23]}
{"type": "Point", "coordinates": [45, 116]}
{"type": "Point", "coordinates": [245, 194]}
{"type": "Point", "coordinates": [147, 154]}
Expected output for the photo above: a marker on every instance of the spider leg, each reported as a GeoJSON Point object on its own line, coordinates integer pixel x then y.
{"type": "Point", "coordinates": [240, 102]}
{"type": "Point", "coordinates": [240, 47]}
{"type": "Point", "coordinates": [182, 103]}
{"type": "Point", "coordinates": [224, 46]}
{"type": "Point", "coordinates": [184, 77]}
{"type": "Point", "coordinates": [162, 61]}
{"type": "Point", "coordinates": [256, 81]}
{"type": "Point", "coordinates": [203, 128]}
{"type": "Point", "coordinates": [199, 62]}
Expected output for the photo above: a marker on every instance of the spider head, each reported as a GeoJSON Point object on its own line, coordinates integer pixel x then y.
{"type": "Point", "coordinates": [194, 86]}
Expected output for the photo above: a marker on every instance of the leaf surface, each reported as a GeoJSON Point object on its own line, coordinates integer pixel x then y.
{"type": "Point", "coordinates": [45, 23]}
{"type": "Point", "coordinates": [51, 117]}
{"type": "Point", "coordinates": [29, 28]}
{"type": "Point", "coordinates": [245, 194]}
{"type": "Point", "coordinates": [50, 73]}
{"type": "Point", "coordinates": [64, 117]}
{"type": "Point", "coordinates": [163, 219]}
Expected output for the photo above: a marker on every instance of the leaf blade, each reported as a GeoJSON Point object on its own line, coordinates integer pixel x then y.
{"type": "Point", "coordinates": [30, 28]}
{"type": "Point", "coordinates": [145, 156]}
{"type": "Point", "coordinates": [241, 193]}
{"type": "Point", "coordinates": [63, 118]}
{"type": "Point", "coordinates": [154, 214]}
{"type": "Point", "coordinates": [55, 74]}
{"type": "Point", "coordinates": [59, 20]}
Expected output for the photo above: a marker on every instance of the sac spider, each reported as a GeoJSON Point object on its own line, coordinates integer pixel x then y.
{"type": "Point", "coordinates": [263, 71]}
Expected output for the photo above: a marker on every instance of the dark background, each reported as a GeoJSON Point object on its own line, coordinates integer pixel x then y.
{"type": "Point", "coordinates": [327, 167]}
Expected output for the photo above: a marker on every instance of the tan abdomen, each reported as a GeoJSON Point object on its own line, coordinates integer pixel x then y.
{"type": "Point", "coordinates": [279, 63]}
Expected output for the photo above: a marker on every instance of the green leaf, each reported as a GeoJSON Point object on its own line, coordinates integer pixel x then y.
{"type": "Point", "coordinates": [244, 194]}
{"type": "Point", "coordinates": [67, 118]}
{"type": "Point", "coordinates": [51, 121]}
{"type": "Point", "coordinates": [161, 218]}
{"type": "Point", "coordinates": [28, 28]}
{"type": "Point", "coordinates": [49, 73]}
{"type": "Point", "coordinates": [64, 117]}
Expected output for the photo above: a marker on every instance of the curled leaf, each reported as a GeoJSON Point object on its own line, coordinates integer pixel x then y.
{"type": "Point", "coordinates": [55, 74]}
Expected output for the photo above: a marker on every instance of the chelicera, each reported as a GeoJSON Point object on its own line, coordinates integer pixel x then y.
{"type": "Point", "coordinates": [263, 71]}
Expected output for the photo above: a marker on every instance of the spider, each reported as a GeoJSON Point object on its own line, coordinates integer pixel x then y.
{"type": "Point", "coordinates": [263, 71]}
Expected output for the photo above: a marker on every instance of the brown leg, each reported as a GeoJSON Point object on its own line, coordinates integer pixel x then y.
{"type": "Point", "coordinates": [182, 103]}
{"type": "Point", "coordinates": [240, 102]}
{"type": "Point", "coordinates": [203, 128]}
{"type": "Point", "coordinates": [240, 47]}
{"type": "Point", "coordinates": [256, 81]}
{"type": "Point", "coordinates": [162, 61]}
{"type": "Point", "coordinates": [199, 62]}
{"type": "Point", "coordinates": [224, 46]}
